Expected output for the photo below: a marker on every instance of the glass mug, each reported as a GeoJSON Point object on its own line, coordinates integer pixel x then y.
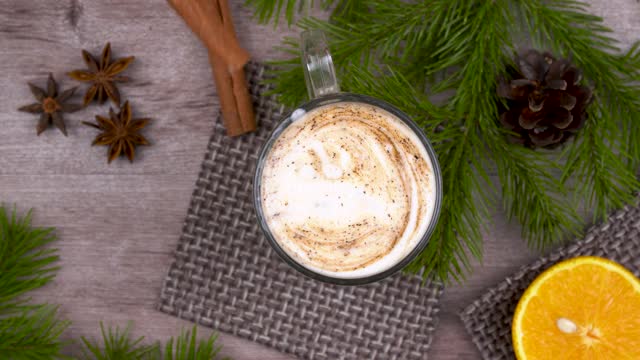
{"type": "Point", "coordinates": [323, 89]}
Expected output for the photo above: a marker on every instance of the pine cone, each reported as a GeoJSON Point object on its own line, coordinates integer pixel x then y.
{"type": "Point", "coordinates": [546, 106]}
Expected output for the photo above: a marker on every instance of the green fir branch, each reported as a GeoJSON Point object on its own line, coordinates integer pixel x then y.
{"type": "Point", "coordinates": [117, 344]}
{"type": "Point", "coordinates": [611, 133]}
{"type": "Point", "coordinates": [631, 60]}
{"type": "Point", "coordinates": [287, 76]}
{"type": "Point", "coordinates": [455, 51]}
{"type": "Point", "coordinates": [186, 347]}
{"type": "Point", "coordinates": [32, 334]}
{"type": "Point", "coordinates": [358, 42]}
{"type": "Point", "coordinates": [346, 9]}
{"type": "Point", "coordinates": [530, 192]}
{"type": "Point", "coordinates": [386, 31]}
{"type": "Point", "coordinates": [272, 10]}
{"type": "Point", "coordinates": [391, 86]}
{"type": "Point", "coordinates": [27, 331]}
{"type": "Point", "coordinates": [606, 182]}
{"type": "Point", "coordinates": [533, 195]}
{"type": "Point", "coordinates": [465, 180]}
{"type": "Point", "coordinates": [32, 331]}
{"type": "Point", "coordinates": [25, 262]}
{"type": "Point", "coordinates": [457, 234]}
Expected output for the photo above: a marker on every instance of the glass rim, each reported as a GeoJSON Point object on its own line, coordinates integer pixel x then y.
{"type": "Point", "coordinates": [284, 124]}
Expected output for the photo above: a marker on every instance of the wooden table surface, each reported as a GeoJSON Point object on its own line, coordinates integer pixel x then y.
{"type": "Point", "coordinates": [118, 224]}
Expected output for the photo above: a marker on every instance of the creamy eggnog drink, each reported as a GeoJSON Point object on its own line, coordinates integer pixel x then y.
{"type": "Point", "coordinates": [348, 190]}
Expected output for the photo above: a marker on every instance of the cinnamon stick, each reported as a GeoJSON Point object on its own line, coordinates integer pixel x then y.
{"type": "Point", "coordinates": [211, 21]}
{"type": "Point", "coordinates": [205, 19]}
{"type": "Point", "coordinates": [235, 102]}
{"type": "Point", "coordinates": [243, 102]}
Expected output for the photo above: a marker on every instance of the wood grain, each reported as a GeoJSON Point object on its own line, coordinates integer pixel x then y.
{"type": "Point", "coordinates": [118, 224]}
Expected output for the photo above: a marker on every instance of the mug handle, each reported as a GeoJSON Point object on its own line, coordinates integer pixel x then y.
{"type": "Point", "coordinates": [319, 73]}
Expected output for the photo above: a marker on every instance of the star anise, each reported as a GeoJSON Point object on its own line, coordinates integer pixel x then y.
{"type": "Point", "coordinates": [103, 75]}
{"type": "Point", "coordinates": [50, 105]}
{"type": "Point", "coordinates": [120, 132]}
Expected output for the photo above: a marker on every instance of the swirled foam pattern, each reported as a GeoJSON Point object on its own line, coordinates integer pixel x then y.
{"type": "Point", "coordinates": [348, 190]}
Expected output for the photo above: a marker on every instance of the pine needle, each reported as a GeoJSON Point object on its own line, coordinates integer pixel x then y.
{"type": "Point", "coordinates": [117, 345]}
{"type": "Point", "coordinates": [25, 263]}
{"type": "Point", "coordinates": [407, 52]}
{"type": "Point", "coordinates": [453, 239]}
{"type": "Point", "coordinates": [267, 10]}
{"type": "Point", "coordinates": [32, 334]}
{"type": "Point", "coordinates": [32, 331]}
{"type": "Point", "coordinates": [186, 347]}
{"type": "Point", "coordinates": [604, 158]}
{"type": "Point", "coordinates": [27, 331]}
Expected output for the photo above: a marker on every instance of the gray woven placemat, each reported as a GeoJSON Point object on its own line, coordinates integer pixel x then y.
{"type": "Point", "coordinates": [226, 276]}
{"type": "Point", "coordinates": [488, 319]}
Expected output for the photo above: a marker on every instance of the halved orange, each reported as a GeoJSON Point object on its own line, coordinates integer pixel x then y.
{"type": "Point", "coordinates": [586, 308]}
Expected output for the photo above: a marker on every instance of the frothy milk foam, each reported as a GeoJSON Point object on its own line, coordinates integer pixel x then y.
{"type": "Point", "coordinates": [348, 190]}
